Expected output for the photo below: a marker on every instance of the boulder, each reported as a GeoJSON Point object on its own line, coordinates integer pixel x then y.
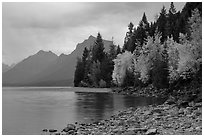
{"type": "Point", "coordinates": [151, 132]}
{"type": "Point", "coordinates": [69, 127]}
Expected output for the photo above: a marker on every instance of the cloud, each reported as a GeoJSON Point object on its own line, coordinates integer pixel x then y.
{"type": "Point", "coordinates": [29, 27]}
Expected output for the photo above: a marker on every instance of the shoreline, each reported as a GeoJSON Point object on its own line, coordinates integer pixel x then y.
{"type": "Point", "coordinates": [163, 119]}
{"type": "Point", "coordinates": [169, 118]}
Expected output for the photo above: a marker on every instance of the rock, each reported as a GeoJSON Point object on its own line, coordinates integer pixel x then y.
{"type": "Point", "coordinates": [157, 110]}
{"type": "Point", "coordinates": [71, 132]}
{"type": "Point", "coordinates": [116, 131]}
{"type": "Point", "coordinates": [198, 105]}
{"type": "Point", "coordinates": [198, 128]}
{"type": "Point", "coordinates": [69, 127]}
{"type": "Point", "coordinates": [181, 111]}
{"type": "Point", "coordinates": [129, 132]}
{"type": "Point", "coordinates": [191, 104]}
{"type": "Point", "coordinates": [151, 132]}
{"type": "Point", "coordinates": [44, 130]}
{"type": "Point", "coordinates": [57, 133]}
{"type": "Point", "coordinates": [147, 113]}
{"type": "Point", "coordinates": [182, 103]}
{"type": "Point", "coordinates": [52, 130]}
{"type": "Point", "coordinates": [171, 100]}
{"type": "Point", "coordinates": [197, 112]}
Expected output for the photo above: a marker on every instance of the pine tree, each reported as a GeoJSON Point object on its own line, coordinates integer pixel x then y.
{"type": "Point", "coordinates": [142, 31]}
{"type": "Point", "coordinates": [161, 24]}
{"type": "Point", "coordinates": [106, 67]}
{"type": "Point", "coordinates": [127, 41]}
{"type": "Point", "coordinates": [98, 49]}
{"type": "Point", "coordinates": [118, 51]}
{"type": "Point", "coordinates": [79, 72]}
{"type": "Point", "coordinates": [85, 55]}
{"type": "Point", "coordinates": [172, 8]}
{"type": "Point", "coordinates": [172, 19]}
{"type": "Point", "coordinates": [112, 52]}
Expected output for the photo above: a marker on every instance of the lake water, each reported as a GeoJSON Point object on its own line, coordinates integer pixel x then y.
{"type": "Point", "coordinates": [29, 110]}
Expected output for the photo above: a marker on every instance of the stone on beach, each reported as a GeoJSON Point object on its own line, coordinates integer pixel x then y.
{"type": "Point", "coordinates": [151, 132]}
{"type": "Point", "coordinates": [69, 127]}
{"type": "Point", "coordinates": [52, 130]}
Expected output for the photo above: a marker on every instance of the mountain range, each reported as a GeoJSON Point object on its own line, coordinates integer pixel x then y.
{"type": "Point", "coordinates": [46, 68]}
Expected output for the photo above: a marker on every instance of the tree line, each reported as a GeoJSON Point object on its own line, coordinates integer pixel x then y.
{"type": "Point", "coordinates": [95, 67]}
{"type": "Point", "coordinates": [161, 53]}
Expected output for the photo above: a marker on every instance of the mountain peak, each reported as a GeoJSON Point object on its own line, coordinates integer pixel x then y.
{"type": "Point", "coordinates": [91, 37]}
{"type": "Point", "coordinates": [42, 52]}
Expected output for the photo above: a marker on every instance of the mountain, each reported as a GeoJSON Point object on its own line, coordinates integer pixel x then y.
{"type": "Point", "coordinates": [59, 72]}
{"type": "Point", "coordinates": [5, 67]}
{"type": "Point", "coordinates": [24, 71]}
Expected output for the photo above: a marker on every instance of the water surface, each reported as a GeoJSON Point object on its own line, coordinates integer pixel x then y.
{"type": "Point", "coordinates": [29, 110]}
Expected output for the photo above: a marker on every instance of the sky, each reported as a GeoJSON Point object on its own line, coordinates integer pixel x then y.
{"type": "Point", "coordinates": [59, 27]}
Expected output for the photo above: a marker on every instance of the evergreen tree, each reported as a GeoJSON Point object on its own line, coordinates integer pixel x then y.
{"type": "Point", "coordinates": [186, 13]}
{"type": "Point", "coordinates": [159, 72]}
{"type": "Point", "coordinates": [112, 52]}
{"type": "Point", "coordinates": [98, 49]}
{"type": "Point", "coordinates": [142, 31]}
{"type": "Point", "coordinates": [173, 26]}
{"type": "Point", "coordinates": [106, 67]}
{"type": "Point", "coordinates": [127, 41]}
{"type": "Point", "coordinates": [79, 72]}
{"type": "Point", "coordinates": [161, 24]}
{"type": "Point", "coordinates": [118, 51]}
{"type": "Point", "coordinates": [95, 74]}
{"type": "Point", "coordinates": [172, 9]}
{"type": "Point", "coordinates": [152, 29]}
{"type": "Point", "coordinates": [85, 55]}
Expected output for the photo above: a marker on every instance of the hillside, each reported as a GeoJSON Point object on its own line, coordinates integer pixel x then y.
{"type": "Point", "coordinates": [48, 69]}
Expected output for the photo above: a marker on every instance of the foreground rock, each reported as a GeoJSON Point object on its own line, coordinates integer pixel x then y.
{"type": "Point", "coordinates": [151, 120]}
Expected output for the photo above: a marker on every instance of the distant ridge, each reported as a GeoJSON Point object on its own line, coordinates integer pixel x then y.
{"type": "Point", "coordinates": [47, 69]}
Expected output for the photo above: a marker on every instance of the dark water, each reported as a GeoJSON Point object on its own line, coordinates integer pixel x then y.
{"type": "Point", "coordinates": [29, 110]}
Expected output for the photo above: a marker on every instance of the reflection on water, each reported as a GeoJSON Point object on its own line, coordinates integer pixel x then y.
{"type": "Point", "coordinates": [97, 106]}
{"type": "Point", "coordinates": [29, 110]}
{"type": "Point", "coordinates": [93, 106]}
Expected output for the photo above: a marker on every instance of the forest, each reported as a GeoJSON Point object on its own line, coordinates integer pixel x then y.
{"type": "Point", "coordinates": [165, 53]}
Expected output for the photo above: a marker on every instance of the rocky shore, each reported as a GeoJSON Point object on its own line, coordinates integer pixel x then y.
{"type": "Point", "coordinates": [169, 118]}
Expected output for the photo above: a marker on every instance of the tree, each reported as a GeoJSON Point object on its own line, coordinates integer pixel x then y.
{"type": "Point", "coordinates": [98, 49]}
{"type": "Point", "coordinates": [190, 52]}
{"type": "Point", "coordinates": [186, 13]}
{"type": "Point", "coordinates": [159, 71]}
{"type": "Point", "coordinates": [118, 51]}
{"type": "Point", "coordinates": [127, 41]}
{"type": "Point", "coordinates": [95, 75]}
{"type": "Point", "coordinates": [173, 29]}
{"type": "Point", "coordinates": [142, 31]}
{"type": "Point", "coordinates": [172, 9]}
{"type": "Point", "coordinates": [79, 72]}
{"type": "Point", "coordinates": [162, 24]}
{"type": "Point", "coordinates": [85, 55]}
{"type": "Point", "coordinates": [122, 63]}
{"type": "Point", "coordinates": [106, 67]}
{"type": "Point", "coordinates": [112, 52]}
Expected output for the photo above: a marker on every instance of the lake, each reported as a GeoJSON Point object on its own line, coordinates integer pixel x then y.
{"type": "Point", "coordinates": [26, 111]}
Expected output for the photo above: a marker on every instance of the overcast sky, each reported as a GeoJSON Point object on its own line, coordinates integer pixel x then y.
{"type": "Point", "coordinates": [58, 27]}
